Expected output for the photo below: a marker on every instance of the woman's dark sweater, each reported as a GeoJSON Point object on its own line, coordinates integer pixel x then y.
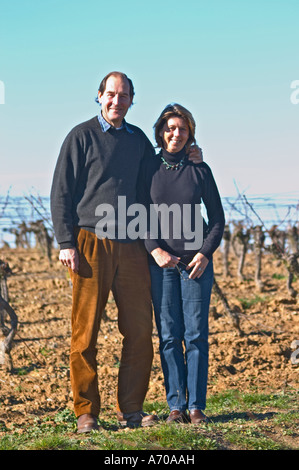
{"type": "Point", "coordinates": [191, 184]}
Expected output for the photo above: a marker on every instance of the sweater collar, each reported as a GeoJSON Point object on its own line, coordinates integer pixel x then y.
{"type": "Point", "coordinates": [173, 157]}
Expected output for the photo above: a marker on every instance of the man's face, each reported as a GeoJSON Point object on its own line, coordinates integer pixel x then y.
{"type": "Point", "coordinates": [115, 100]}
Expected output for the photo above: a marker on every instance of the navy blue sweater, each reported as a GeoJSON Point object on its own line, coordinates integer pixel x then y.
{"type": "Point", "coordinates": [93, 168]}
{"type": "Point", "coordinates": [191, 184]}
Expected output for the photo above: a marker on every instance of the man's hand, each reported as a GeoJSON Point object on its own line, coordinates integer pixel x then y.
{"type": "Point", "coordinates": [164, 259]}
{"type": "Point", "coordinates": [199, 264]}
{"type": "Point", "coordinates": [70, 258]}
{"type": "Point", "coordinates": [195, 154]}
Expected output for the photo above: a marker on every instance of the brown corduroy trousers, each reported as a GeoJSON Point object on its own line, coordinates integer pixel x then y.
{"type": "Point", "coordinates": [106, 265]}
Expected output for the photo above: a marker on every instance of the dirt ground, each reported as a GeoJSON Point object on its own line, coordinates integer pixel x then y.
{"type": "Point", "coordinates": [39, 384]}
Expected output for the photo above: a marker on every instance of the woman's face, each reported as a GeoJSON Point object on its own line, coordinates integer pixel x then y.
{"type": "Point", "coordinates": [175, 134]}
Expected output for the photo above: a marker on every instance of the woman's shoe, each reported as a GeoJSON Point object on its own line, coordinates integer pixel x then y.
{"type": "Point", "coordinates": [197, 416]}
{"type": "Point", "coordinates": [177, 416]}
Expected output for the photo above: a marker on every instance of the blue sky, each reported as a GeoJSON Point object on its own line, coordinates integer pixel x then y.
{"type": "Point", "coordinates": [231, 63]}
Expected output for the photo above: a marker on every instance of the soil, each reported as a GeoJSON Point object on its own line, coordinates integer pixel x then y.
{"type": "Point", "coordinates": [39, 384]}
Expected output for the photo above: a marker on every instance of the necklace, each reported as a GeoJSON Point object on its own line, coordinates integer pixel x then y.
{"type": "Point", "coordinates": [172, 166]}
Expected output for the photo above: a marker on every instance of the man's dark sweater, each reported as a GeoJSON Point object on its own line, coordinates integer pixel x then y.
{"type": "Point", "coordinates": [190, 184]}
{"type": "Point", "coordinates": [94, 167]}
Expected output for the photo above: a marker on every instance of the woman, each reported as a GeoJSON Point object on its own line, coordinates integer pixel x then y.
{"type": "Point", "coordinates": [181, 272]}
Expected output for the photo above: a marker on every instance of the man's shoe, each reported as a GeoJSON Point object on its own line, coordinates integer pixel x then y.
{"type": "Point", "coordinates": [136, 419]}
{"type": "Point", "coordinates": [177, 416]}
{"type": "Point", "coordinates": [87, 423]}
{"type": "Point", "coordinates": [197, 416]}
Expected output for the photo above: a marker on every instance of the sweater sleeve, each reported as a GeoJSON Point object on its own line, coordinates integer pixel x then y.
{"type": "Point", "coordinates": [65, 179]}
{"type": "Point", "coordinates": [215, 213]}
{"type": "Point", "coordinates": [144, 198]}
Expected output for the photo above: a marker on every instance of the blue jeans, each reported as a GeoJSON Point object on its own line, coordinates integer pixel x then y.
{"type": "Point", "coordinates": [181, 307]}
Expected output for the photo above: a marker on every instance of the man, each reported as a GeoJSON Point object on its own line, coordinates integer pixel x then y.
{"type": "Point", "coordinates": [98, 162]}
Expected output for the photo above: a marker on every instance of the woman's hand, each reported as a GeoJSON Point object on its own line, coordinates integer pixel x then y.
{"type": "Point", "coordinates": [164, 259]}
{"type": "Point", "coordinates": [199, 264]}
{"type": "Point", "coordinates": [195, 154]}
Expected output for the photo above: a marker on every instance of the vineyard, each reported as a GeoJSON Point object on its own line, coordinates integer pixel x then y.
{"type": "Point", "coordinates": [254, 327]}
